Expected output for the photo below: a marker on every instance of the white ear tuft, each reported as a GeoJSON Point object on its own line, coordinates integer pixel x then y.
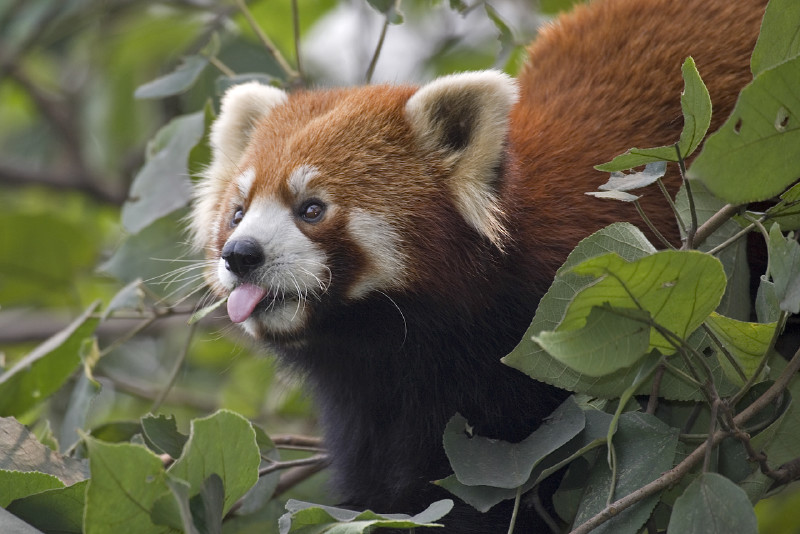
{"type": "Point", "coordinates": [465, 118]}
{"type": "Point", "coordinates": [242, 107]}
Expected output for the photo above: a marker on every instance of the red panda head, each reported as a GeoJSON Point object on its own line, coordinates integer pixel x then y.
{"type": "Point", "coordinates": [318, 199]}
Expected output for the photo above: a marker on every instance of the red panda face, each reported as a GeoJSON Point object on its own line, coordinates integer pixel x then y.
{"type": "Point", "coordinates": [324, 198]}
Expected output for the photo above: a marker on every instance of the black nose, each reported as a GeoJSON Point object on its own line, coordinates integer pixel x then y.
{"type": "Point", "coordinates": [242, 256]}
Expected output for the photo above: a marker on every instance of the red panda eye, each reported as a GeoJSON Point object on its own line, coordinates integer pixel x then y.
{"type": "Point", "coordinates": [238, 215]}
{"type": "Point", "coordinates": [312, 211]}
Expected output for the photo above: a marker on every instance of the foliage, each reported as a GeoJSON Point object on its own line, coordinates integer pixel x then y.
{"type": "Point", "coordinates": [622, 323]}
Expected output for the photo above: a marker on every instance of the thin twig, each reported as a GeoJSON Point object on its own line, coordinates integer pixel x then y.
{"type": "Point", "coordinates": [682, 469]}
{"type": "Point", "coordinates": [295, 476]}
{"type": "Point", "coordinates": [731, 240]}
{"type": "Point", "coordinates": [273, 51]}
{"type": "Point", "coordinates": [711, 430]}
{"type": "Point", "coordinates": [692, 230]}
{"type": "Point", "coordinates": [728, 356]}
{"type": "Point", "coordinates": [374, 60]}
{"type": "Point", "coordinates": [176, 369]}
{"type": "Point", "coordinates": [514, 513]}
{"type": "Point", "coordinates": [782, 318]}
{"type": "Point", "coordinates": [714, 222]}
{"type": "Point", "coordinates": [648, 222]}
{"type": "Point", "coordinates": [652, 402]}
{"type": "Point", "coordinates": [222, 67]}
{"type": "Point", "coordinates": [288, 464]}
{"type": "Point", "coordinates": [296, 26]}
{"type": "Point", "coordinates": [671, 203]}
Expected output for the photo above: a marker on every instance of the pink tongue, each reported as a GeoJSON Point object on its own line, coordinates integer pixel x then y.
{"type": "Point", "coordinates": [243, 300]}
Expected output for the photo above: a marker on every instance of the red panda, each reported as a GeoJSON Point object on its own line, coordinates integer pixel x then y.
{"type": "Point", "coordinates": [391, 243]}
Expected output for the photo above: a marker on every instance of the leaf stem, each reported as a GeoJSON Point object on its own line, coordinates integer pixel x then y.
{"type": "Point", "coordinates": [714, 222]}
{"type": "Point", "coordinates": [513, 521]}
{"type": "Point", "coordinates": [692, 230]}
{"type": "Point", "coordinates": [273, 51]}
{"type": "Point", "coordinates": [782, 318]}
{"type": "Point", "coordinates": [651, 226]}
{"type": "Point", "coordinates": [222, 67]}
{"type": "Point", "coordinates": [378, 48]}
{"type": "Point", "coordinates": [296, 27]}
{"type": "Point", "coordinates": [173, 375]}
{"type": "Point", "coordinates": [731, 240]}
{"type": "Point", "coordinates": [683, 468]}
{"type": "Point", "coordinates": [671, 203]}
{"type": "Point", "coordinates": [725, 352]}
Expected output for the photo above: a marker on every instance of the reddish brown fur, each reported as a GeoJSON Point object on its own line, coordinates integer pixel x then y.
{"type": "Point", "coordinates": [601, 81]}
{"type": "Point", "coordinates": [623, 90]}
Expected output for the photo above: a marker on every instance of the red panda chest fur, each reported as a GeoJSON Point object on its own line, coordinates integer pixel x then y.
{"type": "Point", "coordinates": [391, 243]}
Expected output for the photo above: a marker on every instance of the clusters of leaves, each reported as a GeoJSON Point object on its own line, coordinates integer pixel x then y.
{"type": "Point", "coordinates": [621, 322]}
{"type": "Point", "coordinates": [623, 319]}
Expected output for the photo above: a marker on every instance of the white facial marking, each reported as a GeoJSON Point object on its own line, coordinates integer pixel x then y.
{"type": "Point", "coordinates": [298, 180]}
{"type": "Point", "coordinates": [381, 244]}
{"type": "Point", "coordinates": [245, 182]}
{"type": "Point", "coordinates": [294, 269]}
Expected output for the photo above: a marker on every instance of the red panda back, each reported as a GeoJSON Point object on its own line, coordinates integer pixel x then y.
{"type": "Point", "coordinates": [605, 79]}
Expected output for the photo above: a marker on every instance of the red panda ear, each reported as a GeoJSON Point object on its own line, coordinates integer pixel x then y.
{"type": "Point", "coordinates": [465, 118]}
{"type": "Point", "coordinates": [242, 107]}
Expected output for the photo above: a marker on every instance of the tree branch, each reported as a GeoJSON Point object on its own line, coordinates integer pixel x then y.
{"type": "Point", "coordinates": [679, 471]}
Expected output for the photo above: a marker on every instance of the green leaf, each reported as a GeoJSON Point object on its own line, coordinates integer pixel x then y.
{"type": "Point", "coordinates": [162, 185]}
{"type": "Point", "coordinates": [645, 448]}
{"type": "Point", "coordinates": [506, 37]}
{"type": "Point", "coordinates": [390, 8]}
{"type": "Point", "coordinates": [483, 498]}
{"type": "Point", "coordinates": [620, 181]}
{"type": "Point", "coordinates": [746, 342]}
{"type": "Point", "coordinates": [126, 481]}
{"type": "Point", "coordinates": [200, 155]}
{"type": "Point", "coordinates": [787, 211]}
{"type": "Point", "coordinates": [753, 157]}
{"type": "Point", "coordinates": [176, 82]}
{"type": "Point", "coordinates": [784, 263]}
{"type": "Point", "coordinates": [531, 359]}
{"type": "Point", "coordinates": [223, 444]}
{"type": "Point", "coordinates": [606, 343]}
{"type": "Point", "coordinates": [56, 510]}
{"type": "Point", "coordinates": [259, 494]}
{"type": "Point", "coordinates": [16, 484]}
{"type": "Point", "coordinates": [712, 504]}
{"type": "Point", "coordinates": [479, 461]}
{"type": "Point", "coordinates": [696, 107]}
{"type": "Point", "coordinates": [767, 304]}
{"type": "Point", "coordinates": [678, 288]}
{"type": "Point", "coordinates": [161, 433]}
{"type": "Point", "coordinates": [736, 301]}
{"type": "Point", "coordinates": [302, 515]}
{"type": "Point", "coordinates": [130, 297]}
{"type": "Point", "coordinates": [207, 506]}
{"type": "Point", "coordinates": [778, 40]}
{"type": "Point", "coordinates": [44, 370]}
{"type": "Point", "coordinates": [137, 256]}
{"type": "Point", "coordinates": [172, 509]}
